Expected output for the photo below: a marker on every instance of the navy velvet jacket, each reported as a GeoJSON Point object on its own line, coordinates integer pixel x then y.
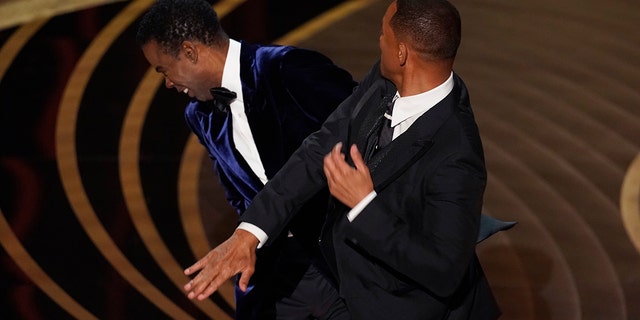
{"type": "Point", "coordinates": [288, 93]}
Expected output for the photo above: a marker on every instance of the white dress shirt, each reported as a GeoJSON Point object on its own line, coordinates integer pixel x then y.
{"type": "Point", "coordinates": [242, 137]}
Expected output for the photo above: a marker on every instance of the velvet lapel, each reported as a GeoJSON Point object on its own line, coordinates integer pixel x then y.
{"type": "Point", "coordinates": [229, 159]}
{"type": "Point", "coordinates": [254, 60]}
{"type": "Point", "coordinates": [387, 164]}
{"type": "Point", "coordinates": [247, 74]}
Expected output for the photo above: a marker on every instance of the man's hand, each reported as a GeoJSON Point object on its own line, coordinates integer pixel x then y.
{"type": "Point", "coordinates": [236, 255]}
{"type": "Point", "coordinates": [347, 184]}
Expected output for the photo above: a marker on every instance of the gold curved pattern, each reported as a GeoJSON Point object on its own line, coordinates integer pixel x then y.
{"type": "Point", "coordinates": [223, 8]}
{"type": "Point", "coordinates": [68, 163]}
{"type": "Point", "coordinates": [31, 268]}
{"type": "Point", "coordinates": [322, 21]}
{"type": "Point", "coordinates": [188, 176]}
{"type": "Point", "coordinates": [8, 239]}
{"type": "Point", "coordinates": [15, 43]}
{"type": "Point", "coordinates": [133, 194]}
{"type": "Point", "coordinates": [630, 202]}
{"type": "Point", "coordinates": [13, 13]}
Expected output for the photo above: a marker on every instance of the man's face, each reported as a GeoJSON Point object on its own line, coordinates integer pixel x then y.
{"type": "Point", "coordinates": [388, 44]}
{"type": "Point", "coordinates": [186, 75]}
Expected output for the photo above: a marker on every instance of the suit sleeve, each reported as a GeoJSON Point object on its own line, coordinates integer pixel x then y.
{"type": "Point", "coordinates": [302, 176]}
{"type": "Point", "coordinates": [235, 199]}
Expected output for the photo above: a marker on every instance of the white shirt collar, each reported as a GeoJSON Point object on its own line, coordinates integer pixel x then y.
{"type": "Point", "coordinates": [412, 106]}
{"type": "Point", "coordinates": [242, 137]}
{"type": "Point", "coordinates": [231, 71]}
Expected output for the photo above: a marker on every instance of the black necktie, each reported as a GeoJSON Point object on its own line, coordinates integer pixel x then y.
{"type": "Point", "coordinates": [222, 98]}
{"type": "Point", "coordinates": [386, 132]}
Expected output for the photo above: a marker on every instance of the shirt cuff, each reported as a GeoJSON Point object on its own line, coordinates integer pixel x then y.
{"type": "Point", "coordinates": [254, 230]}
{"type": "Point", "coordinates": [355, 211]}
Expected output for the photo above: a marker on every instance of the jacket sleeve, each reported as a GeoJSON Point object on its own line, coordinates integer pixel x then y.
{"type": "Point", "coordinates": [302, 176]}
{"type": "Point", "coordinates": [235, 199]}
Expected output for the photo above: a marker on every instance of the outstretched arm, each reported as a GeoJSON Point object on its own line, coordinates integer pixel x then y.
{"type": "Point", "coordinates": [301, 177]}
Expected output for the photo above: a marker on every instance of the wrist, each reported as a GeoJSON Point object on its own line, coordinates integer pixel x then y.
{"type": "Point", "coordinates": [246, 237]}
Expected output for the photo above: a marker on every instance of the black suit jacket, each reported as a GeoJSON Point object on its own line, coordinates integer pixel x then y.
{"type": "Point", "coordinates": [410, 254]}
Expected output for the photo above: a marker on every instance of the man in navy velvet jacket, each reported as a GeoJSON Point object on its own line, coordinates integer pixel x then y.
{"type": "Point", "coordinates": [277, 96]}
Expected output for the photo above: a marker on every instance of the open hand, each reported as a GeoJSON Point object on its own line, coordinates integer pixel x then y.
{"type": "Point", "coordinates": [235, 255]}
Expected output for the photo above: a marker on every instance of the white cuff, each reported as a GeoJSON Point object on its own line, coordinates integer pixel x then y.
{"type": "Point", "coordinates": [355, 211]}
{"type": "Point", "coordinates": [254, 230]}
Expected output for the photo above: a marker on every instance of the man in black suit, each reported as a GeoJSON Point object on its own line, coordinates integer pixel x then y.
{"type": "Point", "coordinates": [252, 106]}
{"type": "Point", "coordinates": [404, 218]}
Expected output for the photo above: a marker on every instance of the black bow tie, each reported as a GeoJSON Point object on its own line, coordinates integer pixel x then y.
{"type": "Point", "coordinates": [222, 98]}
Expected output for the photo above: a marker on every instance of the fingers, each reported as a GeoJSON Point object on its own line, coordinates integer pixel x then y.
{"type": "Point", "coordinates": [209, 291]}
{"type": "Point", "coordinates": [206, 282]}
{"type": "Point", "coordinates": [337, 148]}
{"type": "Point", "coordinates": [196, 287]}
{"type": "Point", "coordinates": [235, 255]}
{"type": "Point", "coordinates": [243, 283]}
{"type": "Point", "coordinates": [336, 167]}
{"type": "Point", "coordinates": [336, 155]}
{"type": "Point", "coordinates": [358, 161]}
{"type": "Point", "coordinates": [200, 281]}
{"type": "Point", "coordinates": [195, 267]}
{"type": "Point", "coordinates": [331, 162]}
{"type": "Point", "coordinates": [335, 159]}
{"type": "Point", "coordinates": [207, 288]}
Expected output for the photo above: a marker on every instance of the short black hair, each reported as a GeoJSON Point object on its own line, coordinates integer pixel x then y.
{"type": "Point", "coordinates": [170, 22]}
{"type": "Point", "coordinates": [433, 27]}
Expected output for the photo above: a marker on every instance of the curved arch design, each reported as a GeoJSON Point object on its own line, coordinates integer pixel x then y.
{"type": "Point", "coordinates": [630, 202]}
{"type": "Point", "coordinates": [101, 228]}
{"type": "Point", "coordinates": [68, 164]}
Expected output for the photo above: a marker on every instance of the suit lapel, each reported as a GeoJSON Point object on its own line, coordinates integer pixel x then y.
{"type": "Point", "coordinates": [238, 165]}
{"type": "Point", "coordinates": [263, 120]}
{"type": "Point", "coordinates": [387, 164]}
{"type": "Point", "coordinates": [229, 158]}
{"type": "Point", "coordinates": [366, 124]}
{"type": "Point", "coordinates": [368, 133]}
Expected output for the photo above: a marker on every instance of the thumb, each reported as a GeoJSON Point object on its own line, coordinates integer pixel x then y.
{"type": "Point", "coordinates": [243, 283]}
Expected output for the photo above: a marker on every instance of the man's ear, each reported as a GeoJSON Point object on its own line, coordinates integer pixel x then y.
{"type": "Point", "coordinates": [403, 53]}
{"type": "Point", "coordinates": [190, 51]}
